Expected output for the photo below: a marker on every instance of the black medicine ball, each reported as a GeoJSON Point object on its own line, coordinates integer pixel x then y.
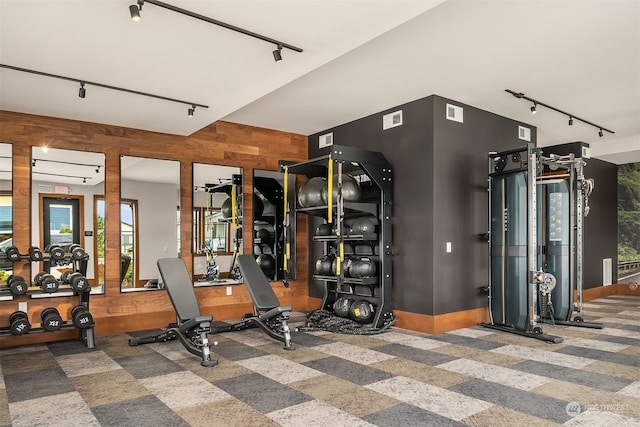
{"type": "Point", "coordinates": [361, 311]}
{"type": "Point", "coordinates": [341, 306]}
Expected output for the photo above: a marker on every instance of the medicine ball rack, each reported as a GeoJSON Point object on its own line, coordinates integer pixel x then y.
{"type": "Point", "coordinates": [372, 169]}
{"type": "Point", "coordinates": [271, 221]}
{"type": "Point", "coordinates": [87, 335]}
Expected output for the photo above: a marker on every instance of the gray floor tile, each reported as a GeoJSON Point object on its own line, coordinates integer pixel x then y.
{"type": "Point", "coordinates": [35, 384]}
{"type": "Point", "coordinates": [65, 348]}
{"type": "Point", "coordinates": [617, 340]}
{"type": "Point", "coordinates": [605, 356]}
{"type": "Point", "coordinates": [148, 365]}
{"type": "Point", "coordinates": [261, 393]}
{"type": "Point", "coordinates": [427, 357]}
{"type": "Point", "coordinates": [140, 412]}
{"type": "Point", "coordinates": [530, 403]}
{"type": "Point", "coordinates": [348, 371]}
{"type": "Point", "coordinates": [481, 344]}
{"type": "Point", "coordinates": [577, 376]}
{"type": "Point", "coordinates": [234, 350]}
{"type": "Point", "coordinates": [308, 340]}
{"type": "Point", "coordinates": [408, 415]}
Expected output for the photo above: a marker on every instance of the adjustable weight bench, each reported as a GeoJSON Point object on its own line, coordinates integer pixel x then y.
{"type": "Point", "coordinates": [192, 328]}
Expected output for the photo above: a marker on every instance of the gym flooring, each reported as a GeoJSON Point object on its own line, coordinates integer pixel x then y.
{"type": "Point", "coordinates": [473, 376]}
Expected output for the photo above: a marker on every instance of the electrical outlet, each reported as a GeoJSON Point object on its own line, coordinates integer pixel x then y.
{"type": "Point", "coordinates": [22, 306]}
{"type": "Point", "coordinates": [229, 290]}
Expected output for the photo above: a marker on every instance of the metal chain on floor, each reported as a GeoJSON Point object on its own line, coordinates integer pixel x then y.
{"type": "Point", "coordinates": [323, 320]}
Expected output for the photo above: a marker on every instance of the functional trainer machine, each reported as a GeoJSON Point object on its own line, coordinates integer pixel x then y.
{"type": "Point", "coordinates": [192, 328]}
{"type": "Point", "coordinates": [536, 208]}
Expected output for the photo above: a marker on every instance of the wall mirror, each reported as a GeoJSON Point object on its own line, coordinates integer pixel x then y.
{"type": "Point", "coordinates": [273, 237]}
{"type": "Point", "coordinates": [67, 200]}
{"type": "Point", "coordinates": [149, 219]}
{"type": "Point", "coordinates": [217, 224]}
{"type": "Point", "coordinates": [6, 209]}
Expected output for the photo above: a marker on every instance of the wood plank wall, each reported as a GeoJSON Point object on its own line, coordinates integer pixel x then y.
{"type": "Point", "coordinates": [221, 143]}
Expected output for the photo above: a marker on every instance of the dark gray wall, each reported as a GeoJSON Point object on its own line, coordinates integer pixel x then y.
{"type": "Point", "coordinates": [440, 181]}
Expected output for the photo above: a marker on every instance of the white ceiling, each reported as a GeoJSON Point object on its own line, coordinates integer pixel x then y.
{"type": "Point", "coordinates": [360, 57]}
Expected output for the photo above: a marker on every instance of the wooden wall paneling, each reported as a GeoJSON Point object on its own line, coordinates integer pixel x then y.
{"type": "Point", "coordinates": [220, 143]}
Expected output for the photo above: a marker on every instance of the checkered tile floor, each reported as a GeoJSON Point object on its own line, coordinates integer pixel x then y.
{"type": "Point", "coordinates": [472, 376]}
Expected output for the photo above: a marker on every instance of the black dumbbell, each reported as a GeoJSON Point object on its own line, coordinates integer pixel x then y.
{"type": "Point", "coordinates": [19, 323]}
{"type": "Point", "coordinates": [51, 320]}
{"type": "Point", "coordinates": [46, 282]}
{"type": "Point", "coordinates": [81, 317]}
{"type": "Point", "coordinates": [55, 252]}
{"type": "Point", "coordinates": [77, 252]}
{"type": "Point", "coordinates": [35, 254]}
{"type": "Point", "coordinates": [77, 280]}
{"type": "Point", "coordinates": [12, 253]}
{"type": "Point", "coordinates": [17, 285]}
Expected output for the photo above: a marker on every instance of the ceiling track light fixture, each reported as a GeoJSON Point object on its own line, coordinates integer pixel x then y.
{"type": "Point", "coordinates": [277, 54]}
{"type": "Point", "coordinates": [536, 103]}
{"type": "Point", "coordinates": [82, 92]}
{"type": "Point", "coordinates": [135, 9]}
{"type": "Point", "coordinates": [191, 110]}
{"type": "Point", "coordinates": [34, 160]}
{"type": "Point", "coordinates": [83, 178]}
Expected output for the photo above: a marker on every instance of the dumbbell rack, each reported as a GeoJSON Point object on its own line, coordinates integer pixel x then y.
{"type": "Point", "coordinates": [376, 170]}
{"type": "Point", "coordinates": [87, 335]}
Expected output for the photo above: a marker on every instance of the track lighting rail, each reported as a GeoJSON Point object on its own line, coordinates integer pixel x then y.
{"type": "Point", "coordinates": [83, 82]}
{"type": "Point", "coordinates": [572, 117]}
{"type": "Point", "coordinates": [176, 9]}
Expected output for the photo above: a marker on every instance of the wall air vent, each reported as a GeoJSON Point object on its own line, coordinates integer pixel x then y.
{"type": "Point", "coordinates": [455, 113]}
{"type": "Point", "coordinates": [325, 140]}
{"type": "Point", "coordinates": [524, 133]}
{"type": "Point", "coordinates": [392, 120]}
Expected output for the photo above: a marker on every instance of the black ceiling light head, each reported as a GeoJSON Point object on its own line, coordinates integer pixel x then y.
{"type": "Point", "coordinates": [135, 9]}
{"type": "Point", "coordinates": [82, 92]}
{"type": "Point", "coordinates": [600, 134]}
{"type": "Point", "coordinates": [570, 121]}
{"type": "Point", "coordinates": [191, 110]}
{"type": "Point", "coordinates": [277, 54]}
{"type": "Point", "coordinates": [533, 108]}
{"type": "Point", "coordinates": [33, 162]}
{"type": "Point", "coordinates": [84, 180]}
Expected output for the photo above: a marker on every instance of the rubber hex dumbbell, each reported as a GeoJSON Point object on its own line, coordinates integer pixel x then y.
{"type": "Point", "coordinates": [12, 253]}
{"type": "Point", "coordinates": [35, 254]}
{"type": "Point", "coordinates": [17, 285]}
{"type": "Point", "coordinates": [55, 251]}
{"type": "Point", "coordinates": [19, 323]}
{"type": "Point", "coordinates": [77, 281]}
{"type": "Point", "coordinates": [46, 282]}
{"type": "Point", "coordinates": [51, 319]}
{"type": "Point", "coordinates": [81, 317]}
{"type": "Point", "coordinates": [77, 252]}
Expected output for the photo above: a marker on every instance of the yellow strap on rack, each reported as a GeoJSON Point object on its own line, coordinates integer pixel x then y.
{"type": "Point", "coordinates": [287, 255]}
{"type": "Point", "coordinates": [234, 223]}
{"type": "Point", "coordinates": [339, 258]}
{"type": "Point", "coordinates": [286, 192]}
{"type": "Point", "coordinates": [330, 190]}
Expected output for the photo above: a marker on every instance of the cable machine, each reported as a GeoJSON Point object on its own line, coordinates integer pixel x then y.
{"type": "Point", "coordinates": [537, 204]}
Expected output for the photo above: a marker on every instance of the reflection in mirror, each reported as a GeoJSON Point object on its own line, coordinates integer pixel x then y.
{"type": "Point", "coordinates": [217, 224]}
{"type": "Point", "coordinates": [6, 210]}
{"type": "Point", "coordinates": [273, 237]}
{"type": "Point", "coordinates": [149, 219]}
{"type": "Point", "coordinates": [65, 185]}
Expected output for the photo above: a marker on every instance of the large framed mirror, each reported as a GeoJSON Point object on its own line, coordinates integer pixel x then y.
{"type": "Point", "coordinates": [149, 219]}
{"type": "Point", "coordinates": [273, 234]}
{"type": "Point", "coordinates": [217, 224]}
{"type": "Point", "coordinates": [6, 209]}
{"type": "Point", "coordinates": [67, 199]}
